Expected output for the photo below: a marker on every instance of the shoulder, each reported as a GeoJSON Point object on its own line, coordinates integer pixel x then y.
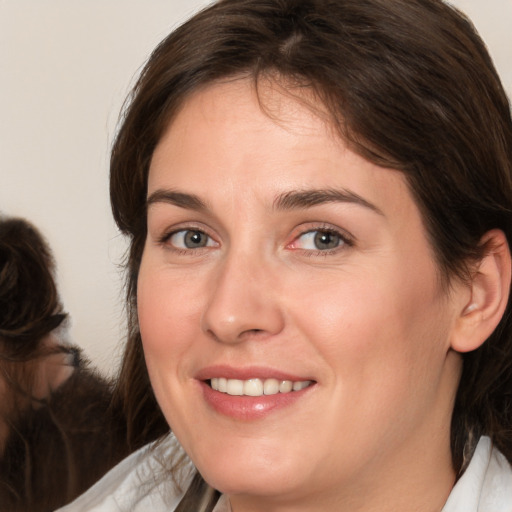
{"type": "Point", "coordinates": [486, 486]}
{"type": "Point", "coordinates": [139, 483]}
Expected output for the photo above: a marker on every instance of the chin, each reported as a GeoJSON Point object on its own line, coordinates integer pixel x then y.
{"type": "Point", "coordinates": [253, 475]}
{"type": "Point", "coordinates": [249, 483]}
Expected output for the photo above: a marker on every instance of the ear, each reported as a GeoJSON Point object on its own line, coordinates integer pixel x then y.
{"type": "Point", "coordinates": [488, 297]}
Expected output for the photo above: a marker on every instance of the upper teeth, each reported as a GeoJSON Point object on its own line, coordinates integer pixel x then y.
{"type": "Point", "coordinates": [256, 387]}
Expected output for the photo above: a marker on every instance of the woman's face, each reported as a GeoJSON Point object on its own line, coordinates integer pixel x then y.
{"type": "Point", "coordinates": [277, 258]}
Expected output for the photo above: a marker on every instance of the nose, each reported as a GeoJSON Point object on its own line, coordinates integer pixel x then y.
{"type": "Point", "coordinates": [243, 303]}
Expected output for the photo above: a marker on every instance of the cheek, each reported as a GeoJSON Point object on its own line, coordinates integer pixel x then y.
{"type": "Point", "coordinates": [386, 321]}
{"type": "Point", "coordinates": [165, 314]}
{"type": "Point", "coordinates": [167, 307]}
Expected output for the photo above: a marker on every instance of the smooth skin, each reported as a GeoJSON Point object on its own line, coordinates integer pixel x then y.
{"type": "Point", "coordinates": [272, 244]}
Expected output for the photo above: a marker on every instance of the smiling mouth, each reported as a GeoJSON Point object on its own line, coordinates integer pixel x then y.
{"type": "Point", "coordinates": [256, 387]}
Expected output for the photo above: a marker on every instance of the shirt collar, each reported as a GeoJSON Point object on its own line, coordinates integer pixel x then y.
{"type": "Point", "coordinates": [486, 484]}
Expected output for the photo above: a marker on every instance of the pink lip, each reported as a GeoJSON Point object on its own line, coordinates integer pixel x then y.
{"type": "Point", "coordinates": [248, 408]}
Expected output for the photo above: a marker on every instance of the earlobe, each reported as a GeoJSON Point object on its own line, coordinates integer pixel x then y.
{"type": "Point", "coordinates": [489, 293]}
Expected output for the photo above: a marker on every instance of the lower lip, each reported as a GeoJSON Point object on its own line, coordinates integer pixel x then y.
{"type": "Point", "coordinates": [249, 408]}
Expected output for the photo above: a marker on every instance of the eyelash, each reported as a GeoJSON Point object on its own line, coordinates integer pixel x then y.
{"type": "Point", "coordinates": [164, 240]}
{"type": "Point", "coordinates": [346, 241]}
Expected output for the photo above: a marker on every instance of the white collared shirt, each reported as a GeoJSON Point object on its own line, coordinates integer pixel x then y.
{"type": "Point", "coordinates": [486, 486]}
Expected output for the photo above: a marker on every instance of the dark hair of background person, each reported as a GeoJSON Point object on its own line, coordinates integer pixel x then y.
{"type": "Point", "coordinates": [26, 263]}
{"type": "Point", "coordinates": [409, 85]}
{"type": "Point", "coordinates": [30, 307]}
{"type": "Point", "coordinates": [59, 445]}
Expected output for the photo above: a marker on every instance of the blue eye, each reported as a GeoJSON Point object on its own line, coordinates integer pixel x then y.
{"type": "Point", "coordinates": [319, 240]}
{"type": "Point", "coordinates": [190, 239]}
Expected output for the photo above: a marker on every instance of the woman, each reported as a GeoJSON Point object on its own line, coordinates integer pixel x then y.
{"type": "Point", "coordinates": [58, 434]}
{"type": "Point", "coordinates": [318, 199]}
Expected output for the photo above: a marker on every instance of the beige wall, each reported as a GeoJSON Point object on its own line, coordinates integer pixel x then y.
{"type": "Point", "coordinates": [66, 66]}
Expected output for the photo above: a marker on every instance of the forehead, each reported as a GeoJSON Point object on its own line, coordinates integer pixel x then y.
{"type": "Point", "coordinates": [249, 104]}
{"type": "Point", "coordinates": [228, 137]}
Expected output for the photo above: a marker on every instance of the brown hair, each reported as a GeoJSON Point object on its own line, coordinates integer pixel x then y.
{"type": "Point", "coordinates": [409, 85]}
{"type": "Point", "coordinates": [30, 307]}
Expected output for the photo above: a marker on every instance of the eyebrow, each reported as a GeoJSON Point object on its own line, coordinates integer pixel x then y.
{"type": "Point", "coordinates": [187, 201]}
{"type": "Point", "coordinates": [303, 199]}
{"type": "Point", "coordinates": [293, 200]}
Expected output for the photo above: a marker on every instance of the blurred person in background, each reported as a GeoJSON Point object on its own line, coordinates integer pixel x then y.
{"type": "Point", "coordinates": [57, 429]}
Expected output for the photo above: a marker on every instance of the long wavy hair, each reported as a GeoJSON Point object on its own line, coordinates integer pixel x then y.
{"type": "Point", "coordinates": [409, 85]}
